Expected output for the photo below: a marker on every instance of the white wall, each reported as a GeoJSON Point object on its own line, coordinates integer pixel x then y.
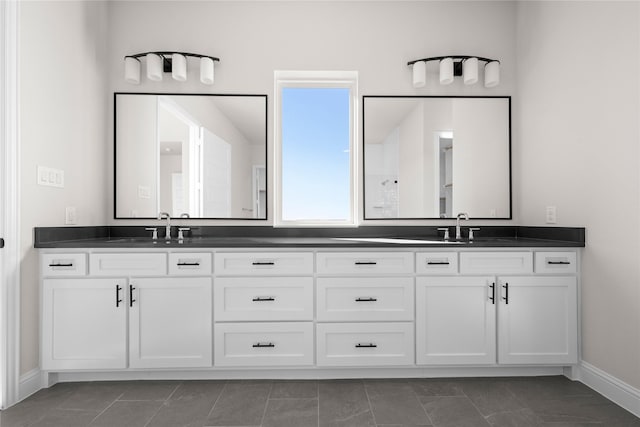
{"type": "Point", "coordinates": [62, 125]}
{"type": "Point", "coordinates": [577, 119]}
{"type": "Point", "coordinates": [253, 39]}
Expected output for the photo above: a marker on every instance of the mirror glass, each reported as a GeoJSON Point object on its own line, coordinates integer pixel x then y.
{"type": "Point", "coordinates": [434, 157]}
{"type": "Point", "coordinates": [190, 155]}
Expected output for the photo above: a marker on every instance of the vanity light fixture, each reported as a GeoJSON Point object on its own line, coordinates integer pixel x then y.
{"type": "Point", "coordinates": [457, 65]}
{"type": "Point", "coordinates": [175, 63]}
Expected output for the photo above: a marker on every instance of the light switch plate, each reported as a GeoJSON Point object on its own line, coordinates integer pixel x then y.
{"type": "Point", "coordinates": [50, 177]}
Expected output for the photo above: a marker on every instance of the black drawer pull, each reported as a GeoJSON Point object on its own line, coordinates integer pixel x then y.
{"type": "Point", "coordinates": [188, 264]}
{"type": "Point", "coordinates": [437, 262]}
{"type": "Point", "coordinates": [118, 300]}
{"type": "Point", "coordinates": [61, 265]}
{"type": "Point", "coordinates": [264, 345]}
{"type": "Point", "coordinates": [506, 293]}
{"type": "Point", "coordinates": [263, 263]}
{"type": "Point", "coordinates": [558, 262]}
{"type": "Point", "coordinates": [370, 345]}
{"type": "Point", "coordinates": [366, 299]}
{"type": "Point", "coordinates": [261, 299]}
{"type": "Point", "coordinates": [131, 300]}
{"type": "Point", "coordinates": [366, 263]}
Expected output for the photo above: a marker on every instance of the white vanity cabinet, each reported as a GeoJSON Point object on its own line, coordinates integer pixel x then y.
{"type": "Point", "coordinates": [84, 323]}
{"type": "Point", "coordinates": [455, 320]}
{"type": "Point", "coordinates": [511, 316]}
{"type": "Point", "coordinates": [263, 304]}
{"type": "Point", "coordinates": [317, 312]}
{"type": "Point", "coordinates": [103, 322]}
{"type": "Point", "coordinates": [364, 308]}
{"type": "Point", "coordinates": [537, 320]}
{"type": "Point", "coordinates": [170, 322]}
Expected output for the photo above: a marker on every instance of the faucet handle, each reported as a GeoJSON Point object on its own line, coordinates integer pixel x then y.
{"type": "Point", "coordinates": [446, 232]}
{"type": "Point", "coordinates": [154, 235]}
{"type": "Point", "coordinates": [180, 232]}
{"type": "Point", "coordinates": [471, 230]}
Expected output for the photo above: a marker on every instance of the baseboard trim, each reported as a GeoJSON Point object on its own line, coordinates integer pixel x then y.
{"type": "Point", "coordinates": [30, 383]}
{"type": "Point", "coordinates": [610, 387]}
{"type": "Point", "coordinates": [277, 373]}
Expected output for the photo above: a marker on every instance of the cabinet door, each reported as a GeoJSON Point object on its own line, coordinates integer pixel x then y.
{"type": "Point", "coordinates": [170, 322]}
{"type": "Point", "coordinates": [537, 320]}
{"type": "Point", "coordinates": [84, 324]}
{"type": "Point", "coordinates": [455, 320]}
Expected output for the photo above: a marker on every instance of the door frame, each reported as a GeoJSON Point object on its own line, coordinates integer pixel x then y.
{"type": "Point", "coordinates": [9, 206]}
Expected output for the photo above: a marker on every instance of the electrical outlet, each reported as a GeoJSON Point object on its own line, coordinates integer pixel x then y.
{"type": "Point", "coordinates": [551, 217]}
{"type": "Point", "coordinates": [70, 215]}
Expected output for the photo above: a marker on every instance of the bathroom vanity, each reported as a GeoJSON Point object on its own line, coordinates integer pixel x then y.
{"type": "Point", "coordinates": [312, 307]}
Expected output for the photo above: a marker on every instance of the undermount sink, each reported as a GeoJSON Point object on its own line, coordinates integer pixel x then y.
{"type": "Point", "coordinates": [398, 241]}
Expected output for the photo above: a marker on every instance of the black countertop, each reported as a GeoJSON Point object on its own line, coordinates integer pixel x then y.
{"type": "Point", "coordinates": [269, 237]}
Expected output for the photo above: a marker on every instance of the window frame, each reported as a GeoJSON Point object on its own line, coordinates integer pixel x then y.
{"type": "Point", "coordinates": [316, 79]}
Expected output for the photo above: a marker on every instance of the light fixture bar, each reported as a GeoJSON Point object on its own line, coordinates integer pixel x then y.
{"type": "Point", "coordinates": [454, 57]}
{"type": "Point", "coordinates": [452, 66]}
{"type": "Point", "coordinates": [167, 55]}
{"type": "Point", "coordinates": [160, 62]}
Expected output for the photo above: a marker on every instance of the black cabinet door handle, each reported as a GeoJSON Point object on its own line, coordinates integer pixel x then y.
{"type": "Point", "coordinates": [493, 293]}
{"type": "Point", "coordinates": [118, 300]}
{"type": "Point", "coordinates": [437, 262]}
{"type": "Point", "coordinates": [558, 262]}
{"type": "Point", "coordinates": [370, 345]}
{"type": "Point", "coordinates": [59, 264]}
{"type": "Point", "coordinates": [1, 242]}
{"type": "Point", "coordinates": [506, 293]}
{"type": "Point", "coordinates": [131, 300]}
{"type": "Point", "coordinates": [262, 299]}
{"type": "Point", "coordinates": [370, 299]}
{"type": "Point", "coordinates": [264, 345]}
{"type": "Point", "coordinates": [366, 263]}
{"type": "Point", "coordinates": [263, 263]}
{"type": "Point", "coordinates": [188, 264]}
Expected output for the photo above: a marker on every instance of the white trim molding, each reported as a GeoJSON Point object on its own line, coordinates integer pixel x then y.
{"type": "Point", "coordinates": [9, 205]}
{"type": "Point", "coordinates": [31, 382]}
{"type": "Point", "coordinates": [610, 387]}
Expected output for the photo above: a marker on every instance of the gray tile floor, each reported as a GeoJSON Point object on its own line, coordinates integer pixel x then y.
{"type": "Point", "coordinates": [474, 402]}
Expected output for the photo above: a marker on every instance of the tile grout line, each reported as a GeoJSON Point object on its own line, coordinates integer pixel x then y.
{"type": "Point", "coordinates": [421, 405]}
{"type": "Point", "coordinates": [162, 404]}
{"type": "Point", "coordinates": [217, 399]}
{"type": "Point", "coordinates": [107, 408]}
{"type": "Point", "coordinates": [366, 393]}
{"type": "Point", "coordinates": [266, 403]}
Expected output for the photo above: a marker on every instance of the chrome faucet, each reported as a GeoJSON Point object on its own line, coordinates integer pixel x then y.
{"type": "Point", "coordinates": [460, 216]}
{"type": "Point", "coordinates": [167, 232]}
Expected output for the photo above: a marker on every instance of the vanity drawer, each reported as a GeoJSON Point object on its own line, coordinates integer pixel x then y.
{"type": "Point", "coordinates": [128, 264]}
{"type": "Point", "coordinates": [58, 265]}
{"type": "Point", "coordinates": [265, 298]}
{"type": "Point", "coordinates": [190, 264]}
{"type": "Point", "coordinates": [365, 299]}
{"type": "Point", "coordinates": [263, 344]}
{"type": "Point", "coordinates": [365, 344]}
{"type": "Point", "coordinates": [263, 263]}
{"type": "Point", "coordinates": [359, 263]}
{"type": "Point", "coordinates": [556, 262]}
{"type": "Point", "coordinates": [496, 262]}
{"type": "Point", "coordinates": [437, 263]}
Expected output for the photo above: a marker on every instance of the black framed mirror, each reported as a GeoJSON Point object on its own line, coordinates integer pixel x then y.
{"type": "Point", "coordinates": [191, 155]}
{"type": "Point", "coordinates": [432, 157]}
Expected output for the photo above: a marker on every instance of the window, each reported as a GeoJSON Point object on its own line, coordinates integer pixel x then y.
{"type": "Point", "coordinates": [315, 150]}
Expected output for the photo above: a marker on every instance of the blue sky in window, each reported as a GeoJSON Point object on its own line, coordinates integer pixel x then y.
{"type": "Point", "coordinates": [315, 154]}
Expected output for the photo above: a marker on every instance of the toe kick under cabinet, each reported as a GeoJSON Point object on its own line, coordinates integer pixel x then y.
{"type": "Point", "coordinates": [311, 309]}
